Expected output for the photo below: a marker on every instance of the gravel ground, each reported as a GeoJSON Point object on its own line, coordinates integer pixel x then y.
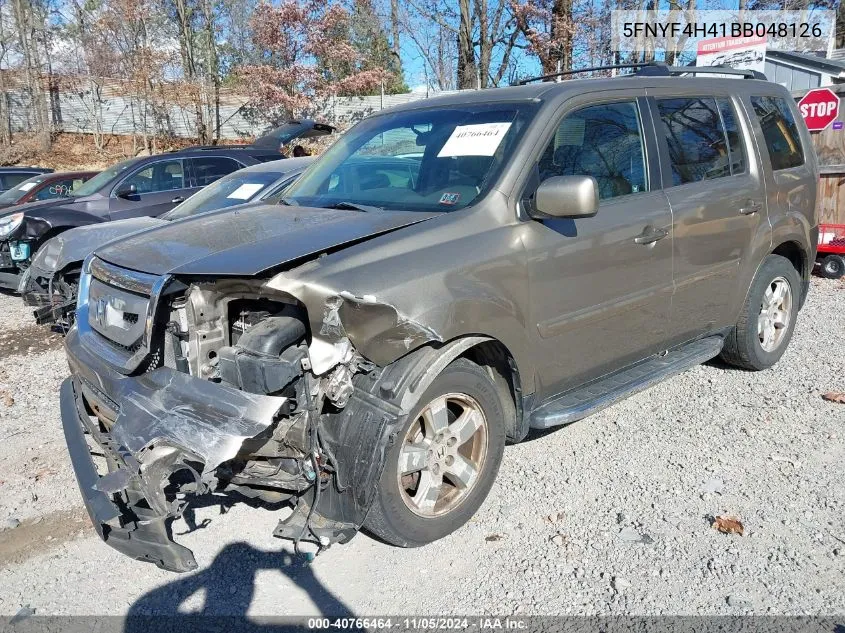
{"type": "Point", "coordinates": [608, 516]}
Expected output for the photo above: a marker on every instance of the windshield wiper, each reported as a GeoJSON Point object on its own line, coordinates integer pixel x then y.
{"type": "Point", "coordinates": [353, 206]}
{"type": "Point", "coordinates": [288, 202]}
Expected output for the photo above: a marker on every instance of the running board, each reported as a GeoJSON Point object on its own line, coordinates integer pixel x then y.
{"type": "Point", "coordinates": [600, 394]}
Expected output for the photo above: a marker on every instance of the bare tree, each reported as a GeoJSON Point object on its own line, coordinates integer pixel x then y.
{"type": "Point", "coordinates": [28, 22]}
{"type": "Point", "coordinates": [6, 36]}
{"type": "Point", "coordinates": [549, 28]}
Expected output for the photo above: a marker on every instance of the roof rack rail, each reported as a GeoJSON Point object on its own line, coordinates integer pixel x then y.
{"type": "Point", "coordinates": [654, 69]}
{"type": "Point", "coordinates": [580, 70]}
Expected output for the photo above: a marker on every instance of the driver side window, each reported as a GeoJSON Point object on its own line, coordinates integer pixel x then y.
{"type": "Point", "coordinates": [165, 175]}
{"type": "Point", "coordinates": [603, 141]}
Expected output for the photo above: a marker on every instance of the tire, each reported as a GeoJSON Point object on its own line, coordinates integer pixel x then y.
{"type": "Point", "coordinates": [743, 346]}
{"type": "Point", "coordinates": [832, 267]}
{"type": "Point", "coordinates": [391, 516]}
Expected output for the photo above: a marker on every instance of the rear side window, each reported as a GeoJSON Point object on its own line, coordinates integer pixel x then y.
{"type": "Point", "coordinates": [603, 141]}
{"type": "Point", "coordinates": [736, 152]}
{"type": "Point", "coordinates": [698, 146]}
{"type": "Point", "coordinates": [779, 131]}
{"type": "Point", "coordinates": [208, 169]}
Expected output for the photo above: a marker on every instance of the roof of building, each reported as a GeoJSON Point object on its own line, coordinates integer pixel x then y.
{"type": "Point", "coordinates": [822, 64]}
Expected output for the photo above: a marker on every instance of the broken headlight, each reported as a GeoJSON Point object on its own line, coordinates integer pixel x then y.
{"type": "Point", "coordinates": [10, 223]}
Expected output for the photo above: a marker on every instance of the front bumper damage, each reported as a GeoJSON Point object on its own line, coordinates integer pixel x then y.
{"type": "Point", "coordinates": [166, 422]}
{"type": "Point", "coordinates": [142, 535]}
{"type": "Point", "coordinates": [52, 302]}
{"type": "Point", "coordinates": [167, 437]}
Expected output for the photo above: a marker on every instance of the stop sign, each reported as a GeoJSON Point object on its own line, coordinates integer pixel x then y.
{"type": "Point", "coordinates": [819, 107]}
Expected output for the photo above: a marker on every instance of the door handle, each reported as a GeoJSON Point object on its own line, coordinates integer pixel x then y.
{"type": "Point", "coordinates": [177, 200]}
{"type": "Point", "coordinates": [752, 208]}
{"type": "Point", "coordinates": [650, 235]}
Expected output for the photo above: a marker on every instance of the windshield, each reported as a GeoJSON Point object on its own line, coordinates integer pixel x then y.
{"type": "Point", "coordinates": [17, 192]}
{"type": "Point", "coordinates": [234, 189]}
{"type": "Point", "coordinates": [97, 182]}
{"type": "Point", "coordinates": [425, 160]}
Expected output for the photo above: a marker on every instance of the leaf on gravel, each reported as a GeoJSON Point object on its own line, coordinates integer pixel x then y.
{"type": "Point", "coordinates": [492, 538]}
{"type": "Point", "coordinates": [728, 525]}
{"type": "Point", "coordinates": [8, 400]}
{"type": "Point", "coordinates": [834, 396]}
{"type": "Point", "coordinates": [43, 473]}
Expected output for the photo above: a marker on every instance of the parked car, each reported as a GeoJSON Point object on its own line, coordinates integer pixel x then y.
{"type": "Point", "coordinates": [367, 354]}
{"type": "Point", "coordinates": [12, 176]}
{"type": "Point", "coordinates": [44, 187]}
{"type": "Point", "coordinates": [50, 282]}
{"type": "Point", "coordinates": [145, 186]}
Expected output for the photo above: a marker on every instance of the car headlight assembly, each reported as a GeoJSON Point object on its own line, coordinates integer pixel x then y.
{"type": "Point", "coordinates": [84, 284]}
{"type": "Point", "coordinates": [10, 223]}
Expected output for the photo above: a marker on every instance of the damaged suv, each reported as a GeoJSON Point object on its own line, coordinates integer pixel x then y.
{"type": "Point", "coordinates": [448, 275]}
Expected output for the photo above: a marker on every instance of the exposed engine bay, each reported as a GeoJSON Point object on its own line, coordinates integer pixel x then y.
{"type": "Point", "coordinates": [220, 395]}
{"type": "Point", "coordinates": [220, 332]}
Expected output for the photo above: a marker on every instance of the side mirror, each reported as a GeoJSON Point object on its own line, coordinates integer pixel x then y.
{"type": "Point", "coordinates": [567, 197]}
{"type": "Point", "coordinates": [127, 191]}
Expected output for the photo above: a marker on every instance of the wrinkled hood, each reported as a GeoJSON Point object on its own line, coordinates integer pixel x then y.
{"type": "Point", "coordinates": [73, 246]}
{"type": "Point", "coordinates": [247, 242]}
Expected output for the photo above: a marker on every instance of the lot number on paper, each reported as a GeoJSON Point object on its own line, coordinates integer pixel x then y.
{"type": "Point", "coordinates": [480, 139]}
{"type": "Point", "coordinates": [245, 191]}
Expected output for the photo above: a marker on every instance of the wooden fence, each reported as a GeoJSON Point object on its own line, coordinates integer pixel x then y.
{"type": "Point", "coordinates": [830, 148]}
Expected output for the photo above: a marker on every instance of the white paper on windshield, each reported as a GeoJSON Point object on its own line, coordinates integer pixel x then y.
{"type": "Point", "coordinates": [245, 191]}
{"type": "Point", "coordinates": [27, 186]}
{"type": "Point", "coordinates": [480, 139]}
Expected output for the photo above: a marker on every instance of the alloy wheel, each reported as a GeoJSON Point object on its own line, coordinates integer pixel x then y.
{"type": "Point", "coordinates": [442, 455]}
{"type": "Point", "coordinates": [775, 314]}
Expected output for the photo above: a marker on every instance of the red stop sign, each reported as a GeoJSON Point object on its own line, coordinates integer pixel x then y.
{"type": "Point", "coordinates": [819, 107]}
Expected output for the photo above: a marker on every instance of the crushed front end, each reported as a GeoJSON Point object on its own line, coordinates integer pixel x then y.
{"type": "Point", "coordinates": [191, 387]}
{"type": "Point", "coordinates": [51, 295]}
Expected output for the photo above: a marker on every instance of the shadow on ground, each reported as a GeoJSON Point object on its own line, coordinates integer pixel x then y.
{"type": "Point", "coordinates": [229, 587]}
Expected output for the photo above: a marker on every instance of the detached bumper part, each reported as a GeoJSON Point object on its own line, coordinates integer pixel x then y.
{"type": "Point", "coordinates": [34, 286]}
{"type": "Point", "coordinates": [166, 422]}
{"type": "Point", "coordinates": [144, 536]}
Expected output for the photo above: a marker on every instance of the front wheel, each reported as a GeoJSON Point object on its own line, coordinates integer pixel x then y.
{"type": "Point", "coordinates": [444, 460]}
{"type": "Point", "coordinates": [832, 267]}
{"type": "Point", "coordinates": [767, 319]}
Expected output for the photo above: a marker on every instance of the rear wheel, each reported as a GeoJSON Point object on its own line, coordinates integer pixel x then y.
{"type": "Point", "coordinates": [444, 460]}
{"type": "Point", "coordinates": [767, 319]}
{"type": "Point", "coordinates": [832, 267]}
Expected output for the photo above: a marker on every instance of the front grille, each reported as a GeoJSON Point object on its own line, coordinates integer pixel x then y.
{"type": "Point", "coordinates": [120, 308]}
{"type": "Point", "coordinates": [116, 314]}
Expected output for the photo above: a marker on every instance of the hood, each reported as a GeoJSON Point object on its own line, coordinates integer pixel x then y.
{"type": "Point", "coordinates": [75, 245]}
{"type": "Point", "coordinates": [35, 208]}
{"type": "Point", "coordinates": [249, 241]}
